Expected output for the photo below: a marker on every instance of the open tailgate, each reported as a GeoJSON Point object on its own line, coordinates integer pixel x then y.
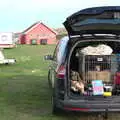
{"type": "Point", "coordinates": [94, 20]}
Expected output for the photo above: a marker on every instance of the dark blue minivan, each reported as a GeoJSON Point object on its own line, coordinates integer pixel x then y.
{"type": "Point", "coordinates": [87, 83]}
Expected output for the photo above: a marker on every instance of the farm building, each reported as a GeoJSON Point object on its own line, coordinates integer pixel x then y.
{"type": "Point", "coordinates": [38, 33]}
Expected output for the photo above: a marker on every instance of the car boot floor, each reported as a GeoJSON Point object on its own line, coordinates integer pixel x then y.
{"type": "Point", "coordinates": [77, 96]}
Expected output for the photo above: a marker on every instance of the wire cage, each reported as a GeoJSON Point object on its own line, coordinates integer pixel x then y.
{"type": "Point", "coordinates": [98, 67]}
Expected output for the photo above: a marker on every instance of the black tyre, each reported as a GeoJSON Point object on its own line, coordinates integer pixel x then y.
{"type": "Point", "coordinates": [55, 109]}
{"type": "Point", "coordinates": [49, 82]}
{"type": "Point", "coordinates": [51, 79]}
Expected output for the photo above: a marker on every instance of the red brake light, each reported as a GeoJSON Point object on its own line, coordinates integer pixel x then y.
{"type": "Point", "coordinates": [61, 72]}
{"type": "Point", "coordinates": [76, 109]}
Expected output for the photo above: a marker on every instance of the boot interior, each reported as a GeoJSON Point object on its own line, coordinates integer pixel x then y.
{"type": "Point", "coordinates": [85, 69]}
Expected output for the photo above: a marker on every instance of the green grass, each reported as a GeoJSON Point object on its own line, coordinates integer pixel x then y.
{"type": "Point", "coordinates": [24, 91]}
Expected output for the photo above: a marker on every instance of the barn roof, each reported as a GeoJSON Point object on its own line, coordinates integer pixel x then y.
{"type": "Point", "coordinates": [35, 25]}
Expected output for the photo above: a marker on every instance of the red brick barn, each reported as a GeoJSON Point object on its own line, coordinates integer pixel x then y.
{"type": "Point", "coordinates": [38, 33]}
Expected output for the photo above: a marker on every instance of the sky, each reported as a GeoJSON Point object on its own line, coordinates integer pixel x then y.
{"type": "Point", "coordinates": [17, 15]}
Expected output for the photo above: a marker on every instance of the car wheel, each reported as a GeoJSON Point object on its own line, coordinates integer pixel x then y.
{"type": "Point", "coordinates": [55, 109]}
{"type": "Point", "coordinates": [49, 81]}
{"type": "Point", "coordinates": [52, 79]}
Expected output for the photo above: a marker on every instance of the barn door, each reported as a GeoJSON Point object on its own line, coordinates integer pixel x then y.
{"type": "Point", "coordinates": [43, 41]}
{"type": "Point", "coordinates": [23, 39]}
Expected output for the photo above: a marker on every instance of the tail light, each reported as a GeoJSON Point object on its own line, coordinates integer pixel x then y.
{"type": "Point", "coordinates": [76, 109]}
{"type": "Point", "coordinates": [61, 72]}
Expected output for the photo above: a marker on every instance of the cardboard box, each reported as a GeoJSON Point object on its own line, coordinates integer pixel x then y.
{"type": "Point", "coordinates": [98, 75]}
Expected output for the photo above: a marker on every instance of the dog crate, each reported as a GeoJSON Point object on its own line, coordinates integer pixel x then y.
{"type": "Point", "coordinates": [99, 74]}
{"type": "Point", "coordinates": [98, 67]}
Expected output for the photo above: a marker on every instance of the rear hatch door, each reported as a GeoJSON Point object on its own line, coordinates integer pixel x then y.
{"type": "Point", "coordinates": [97, 20]}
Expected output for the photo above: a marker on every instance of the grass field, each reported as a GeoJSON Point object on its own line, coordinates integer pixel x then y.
{"type": "Point", "coordinates": [24, 91]}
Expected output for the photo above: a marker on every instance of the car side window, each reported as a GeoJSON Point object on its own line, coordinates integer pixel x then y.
{"type": "Point", "coordinates": [55, 53]}
{"type": "Point", "coordinates": [60, 50]}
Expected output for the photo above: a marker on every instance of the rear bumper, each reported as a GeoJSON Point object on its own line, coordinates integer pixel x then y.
{"type": "Point", "coordinates": [87, 106]}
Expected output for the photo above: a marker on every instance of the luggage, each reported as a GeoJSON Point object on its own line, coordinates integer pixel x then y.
{"type": "Point", "coordinates": [117, 78]}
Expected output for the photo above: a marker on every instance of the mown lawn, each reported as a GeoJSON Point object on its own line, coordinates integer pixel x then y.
{"type": "Point", "coordinates": [24, 91]}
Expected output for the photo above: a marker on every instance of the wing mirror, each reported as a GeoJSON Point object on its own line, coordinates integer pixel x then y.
{"type": "Point", "coordinates": [48, 57]}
